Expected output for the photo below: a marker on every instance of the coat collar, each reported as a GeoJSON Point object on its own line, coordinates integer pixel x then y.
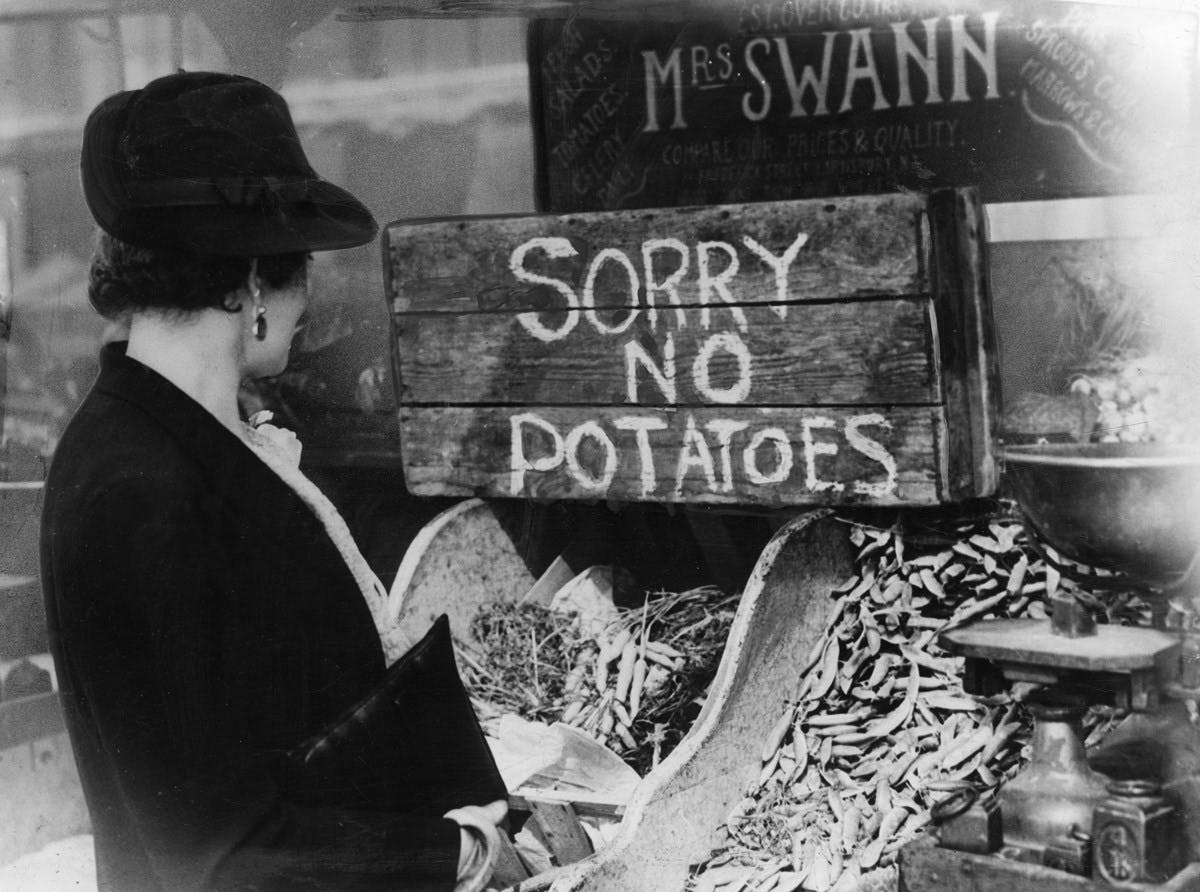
{"type": "Point", "coordinates": [235, 472]}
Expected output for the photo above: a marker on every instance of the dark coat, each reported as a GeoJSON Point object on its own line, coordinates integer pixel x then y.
{"type": "Point", "coordinates": [202, 622]}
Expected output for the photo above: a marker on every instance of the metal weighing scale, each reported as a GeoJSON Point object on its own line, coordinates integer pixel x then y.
{"type": "Point", "coordinates": [1128, 814]}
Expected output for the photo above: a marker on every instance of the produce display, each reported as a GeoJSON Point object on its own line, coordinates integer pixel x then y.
{"type": "Point", "coordinates": [1133, 399]}
{"type": "Point", "coordinates": [1114, 357]}
{"type": "Point", "coordinates": [637, 684]}
{"type": "Point", "coordinates": [881, 729]}
{"type": "Point", "coordinates": [1136, 402]}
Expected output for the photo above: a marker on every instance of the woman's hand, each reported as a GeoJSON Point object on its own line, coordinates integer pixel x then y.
{"type": "Point", "coordinates": [480, 843]}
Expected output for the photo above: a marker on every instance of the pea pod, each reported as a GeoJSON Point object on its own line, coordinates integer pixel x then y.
{"type": "Point", "coordinates": [775, 737]}
{"type": "Point", "coordinates": [901, 713]}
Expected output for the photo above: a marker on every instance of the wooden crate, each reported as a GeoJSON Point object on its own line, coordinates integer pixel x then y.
{"type": "Point", "coordinates": [834, 351]}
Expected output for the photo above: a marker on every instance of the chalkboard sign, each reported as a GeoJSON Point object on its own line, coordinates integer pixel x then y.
{"type": "Point", "coordinates": [788, 99]}
{"type": "Point", "coordinates": [782, 353]}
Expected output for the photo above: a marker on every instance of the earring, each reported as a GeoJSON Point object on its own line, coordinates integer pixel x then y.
{"type": "Point", "coordinates": [259, 328]}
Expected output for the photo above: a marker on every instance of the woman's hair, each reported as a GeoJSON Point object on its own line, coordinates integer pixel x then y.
{"type": "Point", "coordinates": [126, 278]}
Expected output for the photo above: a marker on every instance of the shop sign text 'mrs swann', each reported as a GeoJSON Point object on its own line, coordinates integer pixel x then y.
{"type": "Point", "coordinates": [789, 99]}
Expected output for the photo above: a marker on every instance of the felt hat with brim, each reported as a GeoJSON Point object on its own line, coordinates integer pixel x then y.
{"type": "Point", "coordinates": [211, 163]}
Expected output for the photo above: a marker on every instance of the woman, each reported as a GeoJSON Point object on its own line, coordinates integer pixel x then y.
{"type": "Point", "coordinates": [208, 611]}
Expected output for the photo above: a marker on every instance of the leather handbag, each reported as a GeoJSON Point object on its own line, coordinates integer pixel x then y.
{"type": "Point", "coordinates": [412, 745]}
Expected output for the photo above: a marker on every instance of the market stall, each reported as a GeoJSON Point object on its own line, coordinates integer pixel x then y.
{"type": "Point", "coordinates": [633, 346]}
{"type": "Point", "coordinates": [730, 480]}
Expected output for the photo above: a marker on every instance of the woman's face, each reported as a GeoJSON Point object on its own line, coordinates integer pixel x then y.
{"type": "Point", "coordinates": [285, 308]}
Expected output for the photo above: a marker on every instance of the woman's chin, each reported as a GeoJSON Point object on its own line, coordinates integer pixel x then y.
{"type": "Point", "coordinates": [267, 369]}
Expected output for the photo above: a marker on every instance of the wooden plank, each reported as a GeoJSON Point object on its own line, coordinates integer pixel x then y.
{"type": "Point", "coordinates": [560, 828]}
{"type": "Point", "coordinates": [583, 807]}
{"type": "Point", "coordinates": [510, 866]}
{"type": "Point", "coordinates": [872, 352]}
{"type": "Point", "coordinates": [852, 247]}
{"type": "Point", "coordinates": [1112, 648]}
{"type": "Point", "coordinates": [968, 355]}
{"type": "Point", "coordinates": [569, 452]}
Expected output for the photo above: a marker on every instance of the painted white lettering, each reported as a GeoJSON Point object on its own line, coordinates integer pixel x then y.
{"type": "Point", "coordinates": [860, 45]}
{"type": "Point", "coordinates": [808, 78]}
{"type": "Point", "coordinates": [589, 290]}
{"type": "Point", "coordinates": [873, 450]}
{"type": "Point", "coordinates": [641, 425]}
{"type": "Point", "coordinates": [520, 462]}
{"type": "Point", "coordinates": [661, 73]}
{"type": "Point", "coordinates": [814, 448]}
{"type": "Point", "coordinates": [694, 453]}
{"type": "Point", "coordinates": [757, 76]}
{"type": "Point", "coordinates": [701, 64]}
{"type": "Point", "coordinates": [718, 284]}
{"type": "Point", "coordinates": [593, 431]}
{"type": "Point", "coordinates": [779, 265]}
{"type": "Point", "coordinates": [926, 62]}
{"type": "Point", "coordinates": [962, 44]}
{"type": "Point", "coordinates": [725, 428]}
{"type": "Point", "coordinates": [731, 343]}
{"type": "Point", "coordinates": [784, 457]}
{"type": "Point", "coordinates": [557, 249]}
{"type": "Point", "coordinates": [725, 58]}
{"type": "Point", "coordinates": [670, 285]}
{"type": "Point", "coordinates": [664, 376]}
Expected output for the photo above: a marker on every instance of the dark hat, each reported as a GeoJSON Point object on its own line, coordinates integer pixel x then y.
{"type": "Point", "coordinates": [211, 163]}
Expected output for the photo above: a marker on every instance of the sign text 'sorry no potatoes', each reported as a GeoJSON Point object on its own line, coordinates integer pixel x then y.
{"type": "Point", "coordinates": [720, 450]}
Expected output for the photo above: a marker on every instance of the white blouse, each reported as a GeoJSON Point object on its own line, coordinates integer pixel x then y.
{"type": "Point", "coordinates": [279, 450]}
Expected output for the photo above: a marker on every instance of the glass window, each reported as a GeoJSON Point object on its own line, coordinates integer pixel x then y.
{"type": "Point", "coordinates": [417, 117]}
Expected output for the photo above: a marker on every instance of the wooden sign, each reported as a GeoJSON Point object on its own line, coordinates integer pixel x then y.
{"type": "Point", "coordinates": [786, 99]}
{"type": "Point", "coordinates": [784, 353]}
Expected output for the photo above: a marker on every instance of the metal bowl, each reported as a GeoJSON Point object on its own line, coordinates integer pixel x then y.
{"type": "Point", "coordinates": [1128, 507]}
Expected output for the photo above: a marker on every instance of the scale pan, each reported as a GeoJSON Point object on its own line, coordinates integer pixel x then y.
{"type": "Point", "coordinates": [1133, 508]}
